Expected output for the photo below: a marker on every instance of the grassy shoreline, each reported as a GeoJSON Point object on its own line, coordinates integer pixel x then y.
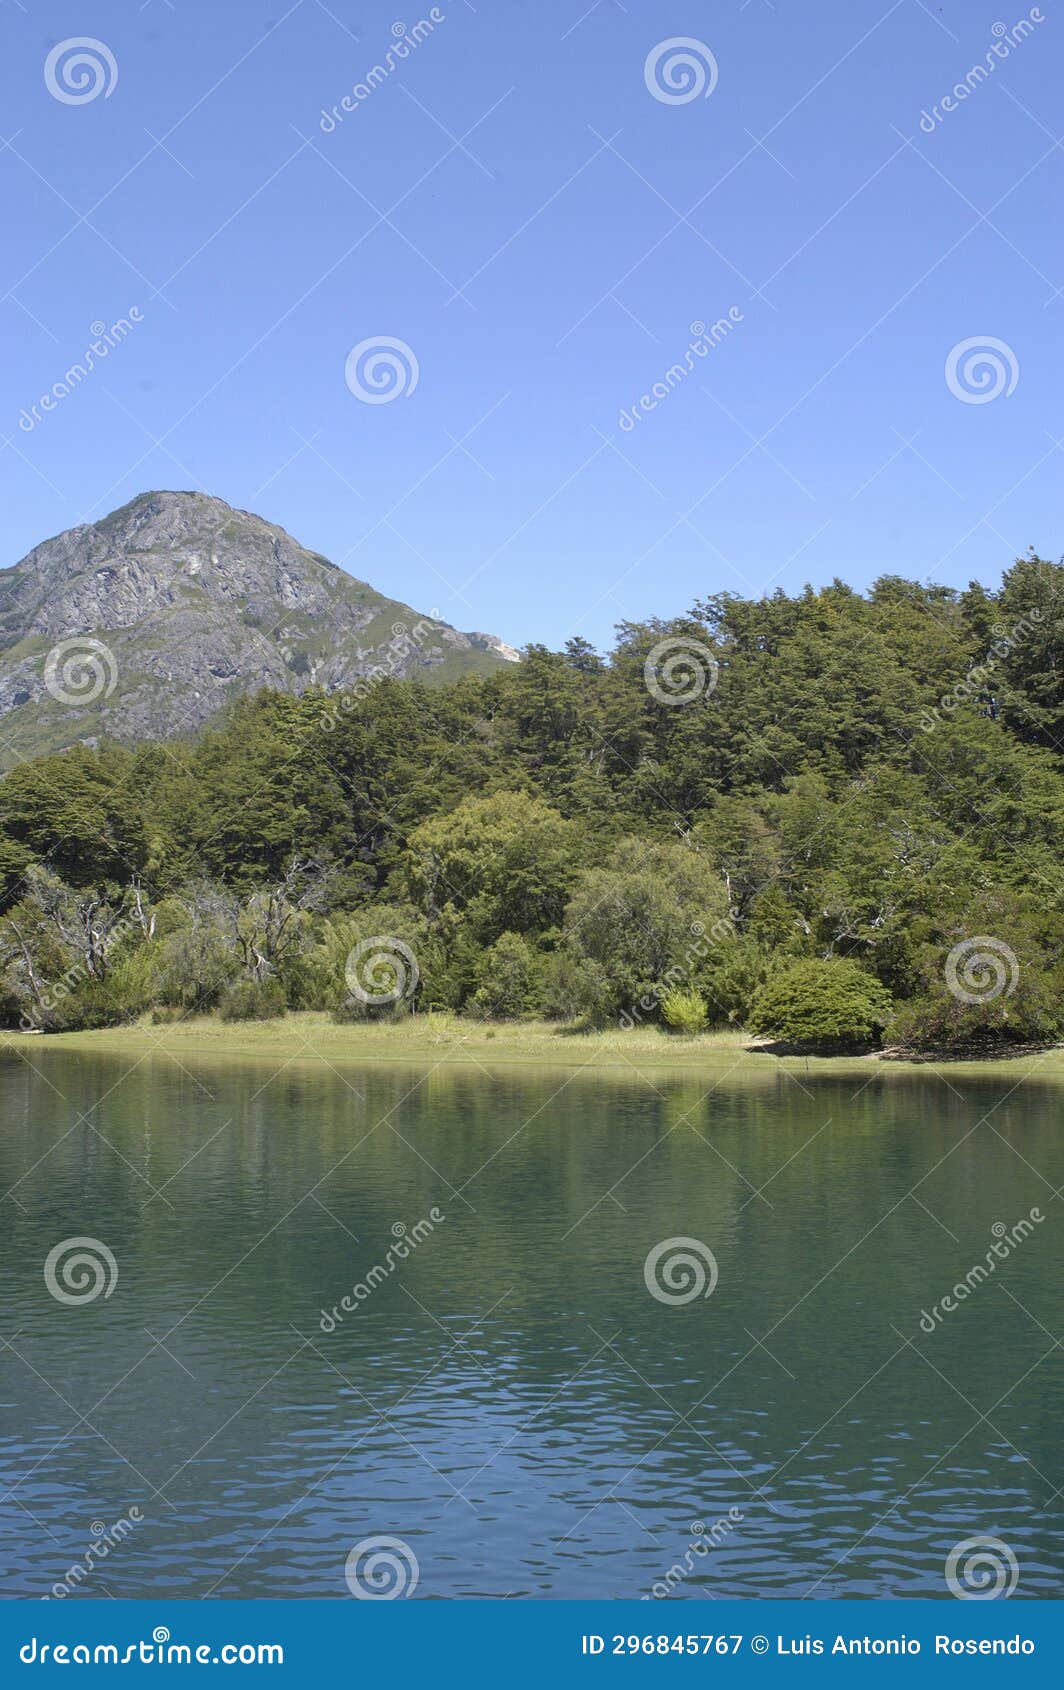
{"type": "Point", "coordinates": [430, 1040]}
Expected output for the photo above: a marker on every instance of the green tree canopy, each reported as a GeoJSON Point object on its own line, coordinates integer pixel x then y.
{"type": "Point", "coordinates": [504, 864]}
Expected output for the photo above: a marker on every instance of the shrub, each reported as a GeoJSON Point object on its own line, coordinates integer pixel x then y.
{"type": "Point", "coordinates": [731, 978]}
{"type": "Point", "coordinates": [343, 954]}
{"type": "Point", "coordinates": [351, 1013]}
{"type": "Point", "coordinates": [197, 965]}
{"type": "Point", "coordinates": [822, 1002]}
{"type": "Point", "coordinates": [94, 1003]}
{"type": "Point", "coordinates": [656, 907]}
{"type": "Point", "coordinates": [684, 1009]}
{"type": "Point", "coordinates": [74, 1005]}
{"type": "Point", "coordinates": [507, 978]}
{"type": "Point", "coordinates": [576, 988]}
{"type": "Point", "coordinates": [1030, 1014]}
{"type": "Point", "coordinates": [252, 1000]}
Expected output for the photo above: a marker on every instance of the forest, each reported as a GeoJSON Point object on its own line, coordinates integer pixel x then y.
{"type": "Point", "coordinates": [831, 820]}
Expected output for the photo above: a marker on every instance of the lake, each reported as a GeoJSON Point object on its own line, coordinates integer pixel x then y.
{"type": "Point", "coordinates": [520, 1396]}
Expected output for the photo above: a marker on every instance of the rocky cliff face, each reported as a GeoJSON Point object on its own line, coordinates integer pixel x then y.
{"type": "Point", "coordinates": [148, 623]}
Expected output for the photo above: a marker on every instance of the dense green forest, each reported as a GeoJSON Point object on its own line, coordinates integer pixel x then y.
{"type": "Point", "coordinates": [832, 818]}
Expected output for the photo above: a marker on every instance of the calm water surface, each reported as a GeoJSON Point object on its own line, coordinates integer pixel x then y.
{"type": "Point", "coordinates": [511, 1400]}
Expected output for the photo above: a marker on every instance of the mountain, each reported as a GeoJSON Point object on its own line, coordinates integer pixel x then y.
{"type": "Point", "coordinates": [146, 624]}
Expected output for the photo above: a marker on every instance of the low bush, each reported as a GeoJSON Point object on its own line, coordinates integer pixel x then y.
{"type": "Point", "coordinates": [508, 979]}
{"type": "Point", "coordinates": [1031, 1014]}
{"type": "Point", "coordinates": [822, 1002]}
{"type": "Point", "coordinates": [252, 1000]}
{"type": "Point", "coordinates": [684, 1009]}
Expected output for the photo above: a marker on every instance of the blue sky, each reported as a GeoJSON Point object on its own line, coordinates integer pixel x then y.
{"type": "Point", "coordinates": [513, 203]}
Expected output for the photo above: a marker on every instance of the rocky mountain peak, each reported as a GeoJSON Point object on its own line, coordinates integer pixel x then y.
{"type": "Point", "coordinates": [194, 602]}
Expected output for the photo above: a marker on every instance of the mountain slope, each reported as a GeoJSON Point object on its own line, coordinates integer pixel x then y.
{"type": "Point", "coordinates": [146, 624]}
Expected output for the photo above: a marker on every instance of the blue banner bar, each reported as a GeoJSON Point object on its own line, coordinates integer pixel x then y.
{"type": "Point", "coordinates": [530, 1643]}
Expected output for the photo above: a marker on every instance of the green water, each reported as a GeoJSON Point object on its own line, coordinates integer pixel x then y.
{"type": "Point", "coordinates": [510, 1400]}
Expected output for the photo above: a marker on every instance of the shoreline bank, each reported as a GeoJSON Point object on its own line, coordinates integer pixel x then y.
{"type": "Point", "coordinates": [431, 1040]}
